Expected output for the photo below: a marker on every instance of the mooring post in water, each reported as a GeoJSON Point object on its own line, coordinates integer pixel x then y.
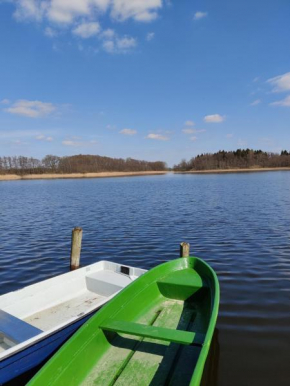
{"type": "Point", "coordinates": [76, 245]}
{"type": "Point", "coordinates": [184, 249]}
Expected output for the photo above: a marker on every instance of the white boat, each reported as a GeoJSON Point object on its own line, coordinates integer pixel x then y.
{"type": "Point", "coordinates": [36, 320]}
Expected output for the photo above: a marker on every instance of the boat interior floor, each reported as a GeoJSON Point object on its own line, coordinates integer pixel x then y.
{"type": "Point", "coordinates": [137, 355]}
{"type": "Point", "coordinates": [64, 311]}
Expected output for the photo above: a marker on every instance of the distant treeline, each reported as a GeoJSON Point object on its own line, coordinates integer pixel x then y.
{"type": "Point", "coordinates": [75, 164]}
{"type": "Point", "coordinates": [239, 159]}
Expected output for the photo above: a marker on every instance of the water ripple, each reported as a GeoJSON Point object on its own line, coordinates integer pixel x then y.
{"type": "Point", "coordinates": [239, 223]}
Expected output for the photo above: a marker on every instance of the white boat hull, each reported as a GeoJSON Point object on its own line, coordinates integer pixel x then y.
{"type": "Point", "coordinates": [52, 310]}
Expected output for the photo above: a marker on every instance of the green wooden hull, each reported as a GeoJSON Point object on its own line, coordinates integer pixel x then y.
{"type": "Point", "coordinates": [156, 331]}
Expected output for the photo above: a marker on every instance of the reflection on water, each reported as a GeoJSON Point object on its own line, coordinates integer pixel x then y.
{"type": "Point", "coordinates": [238, 223]}
{"type": "Point", "coordinates": [210, 373]}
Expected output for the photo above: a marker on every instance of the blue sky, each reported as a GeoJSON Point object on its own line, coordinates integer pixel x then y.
{"type": "Point", "coordinates": [147, 79]}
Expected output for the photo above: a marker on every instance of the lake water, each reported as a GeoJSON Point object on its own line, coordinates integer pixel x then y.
{"type": "Point", "coordinates": [238, 223]}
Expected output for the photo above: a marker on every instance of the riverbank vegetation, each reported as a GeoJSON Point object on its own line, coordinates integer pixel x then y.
{"type": "Point", "coordinates": [239, 159]}
{"type": "Point", "coordinates": [75, 164]}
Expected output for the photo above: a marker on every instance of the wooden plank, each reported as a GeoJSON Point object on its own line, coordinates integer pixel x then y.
{"type": "Point", "coordinates": [153, 332]}
{"type": "Point", "coordinates": [153, 359]}
{"type": "Point", "coordinates": [117, 357]}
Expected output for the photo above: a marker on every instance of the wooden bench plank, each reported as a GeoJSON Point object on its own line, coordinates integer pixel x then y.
{"type": "Point", "coordinates": [15, 328]}
{"type": "Point", "coordinates": [154, 359]}
{"type": "Point", "coordinates": [153, 332]}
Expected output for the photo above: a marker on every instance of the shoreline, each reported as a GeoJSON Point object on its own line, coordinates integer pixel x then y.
{"type": "Point", "coordinates": [51, 176]}
{"type": "Point", "coordinates": [222, 171]}
{"type": "Point", "coordinates": [15, 177]}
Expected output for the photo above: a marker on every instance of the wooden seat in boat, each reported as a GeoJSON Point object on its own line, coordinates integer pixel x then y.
{"type": "Point", "coordinates": [16, 329]}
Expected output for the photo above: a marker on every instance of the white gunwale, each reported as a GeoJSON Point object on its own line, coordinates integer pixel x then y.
{"type": "Point", "coordinates": [101, 281]}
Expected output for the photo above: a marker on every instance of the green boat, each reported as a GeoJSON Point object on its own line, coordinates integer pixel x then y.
{"type": "Point", "coordinates": [157, 331]}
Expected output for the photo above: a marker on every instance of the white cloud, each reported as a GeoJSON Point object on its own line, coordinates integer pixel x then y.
{"type": "Point", "coordinates": [75, 141]}
{"type": "Point", "coordinates": [256, 102]}
{"type": "Point", "coordinates": [150, 36]}
{"type": "Point", "coordinates": [108, 33]}
{"type": "Point", "coordinates": [50, 32]}
{"type": "Point", "coordinates": [139, 10]}
{"type": "Point", "coordinates": [158, 137]}
{"type": "Point", "coordinates": [44, 138]}
{"type": "Point", "coordinates": [199, 15]}
{"type": "Point", "coordinates": [70, 142]}
{"type": "Point", "coordinates": [82, 18]}
{"type": "Point", "coordinates": [193, 138]}
{"type": "Point", "coordinates": [214, 118]}
{"type": "Point", "coordinates": [126, 42]}
{"type": "Point", "coordinates": [128, 132]}
{"type": "Point", "coordinates": [69, 11]}
{"type": "Point", "coordinates": [280, 83]}
{"type": "Point", "coordinates": [284, 102]}
{"type": "Point", "coordinates": [193, 131]}
{"type": "Point", "coordinates": [188, 131]}
{"type": "Point", "coordinates": [109, 46]}
{"type": "Point", "coordinates": [5, 102]}
{"type": "Point", "coordinates": [189, 123]}
{"type": "Point", "coordinates": [87, 30]}
{"type": "Point", "coordinates": [117, 45]}
{"type": "Point", "coordinates": [229, 135]}
{"type": "Point", "coordinates": [32, 109]}
{"type": "Point", "coordinates": [17, 134]}
{"type": "Point", "coordinates": [30, 9]}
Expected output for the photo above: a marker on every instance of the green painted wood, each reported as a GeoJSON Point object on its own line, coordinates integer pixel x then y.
{"type": "Point", "coordinates": [175, 300]}
{"type": "Point", "coordinates": [167, 334]}
{"type": "Point", "coordinates": [185, 277]}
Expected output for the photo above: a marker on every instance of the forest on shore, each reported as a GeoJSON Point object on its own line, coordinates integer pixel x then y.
{"type": "Point", "coordinates": [239, 159]}
{"type": "Point", "coordinates": [222, 160]}
{"type": "Point", "coordinates": [75, 164]}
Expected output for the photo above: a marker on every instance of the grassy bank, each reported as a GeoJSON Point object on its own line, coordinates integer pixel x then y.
{"type": "Point", "coordinates": [220, 171]}
{"type": "Point", "coordinates": [11, 177]}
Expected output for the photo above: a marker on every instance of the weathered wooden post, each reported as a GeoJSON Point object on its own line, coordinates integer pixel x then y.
{"type": "Point", "coordinates": [76, 245]}
{"type": "Point", "coordinates": [184, 249]}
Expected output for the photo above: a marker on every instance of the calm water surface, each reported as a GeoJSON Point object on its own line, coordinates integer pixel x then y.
{"type": "Point", "coordinates": [239, 223]}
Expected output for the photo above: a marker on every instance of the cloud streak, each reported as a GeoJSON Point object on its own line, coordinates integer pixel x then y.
{"type": "Point", "coordinates": [189, 123]}
{"type": "Point", "coordinates": [129, 132]}
{"type": "Point", "coordinates": [44, 138]}
{"type": "Point", "coordinates": [214, 118]}
{"type": "Point", "coordinates": [87, 30]}
{"type": "Point", "coordinates": [150, 36]}
{"type": "Point", "coordinates": [199, 15]}
{"type": "Point", "coordinates": [280, 83]}
{"type": "Point", "coordinates": [119, 45]}
{"type": "Point", "coordinates": [193, 131]}
{"type": "Point", "coordinates": [158, 137]}
{"type": "Point", "coordinates": [284, 102]}
{"type": "Point", "coordinates": [78, 143]}
{"type": "Point", "coordinates": [64, 12]}
{"type": "Point", "coordinates": [82, 18]}
{"type": "Point", "coordinates": [31, 109]}
{"type": "Point", "coordinates": [256, 102]}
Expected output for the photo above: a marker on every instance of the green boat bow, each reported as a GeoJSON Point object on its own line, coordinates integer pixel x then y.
{"type": "Point", "coordinates": [156, 331]}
